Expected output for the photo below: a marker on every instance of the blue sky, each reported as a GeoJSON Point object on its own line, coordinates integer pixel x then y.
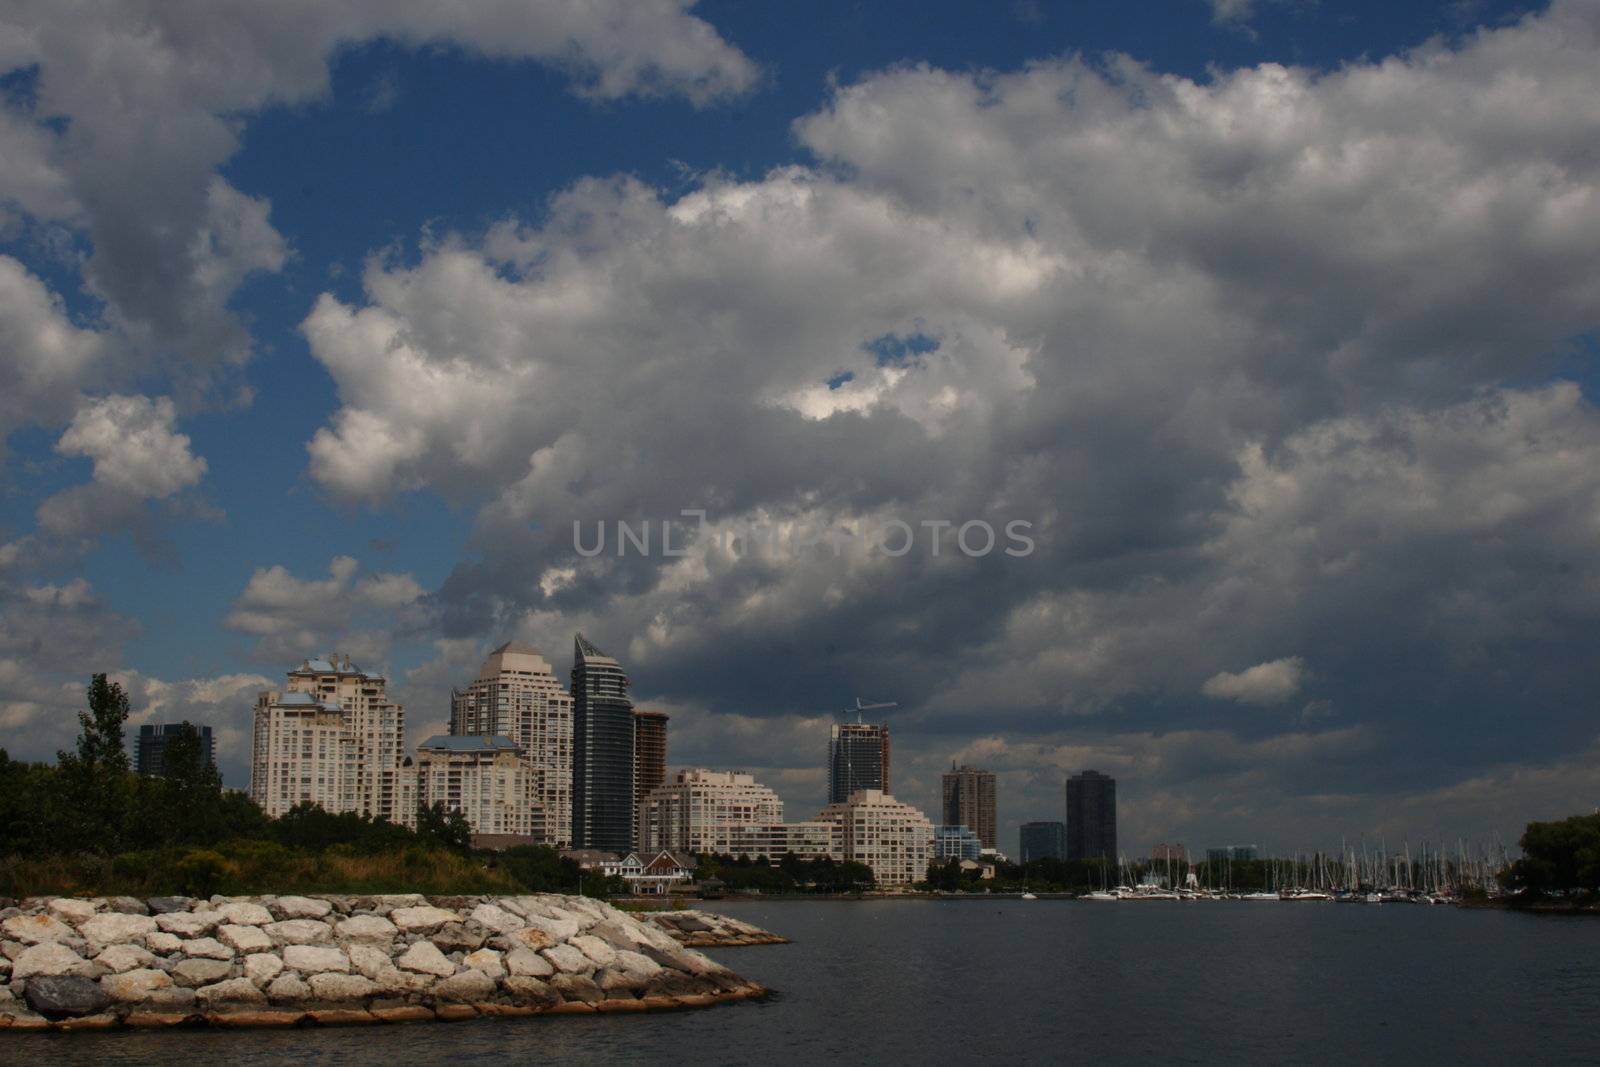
{"type": "Point", "coordinates": [1229, 195]}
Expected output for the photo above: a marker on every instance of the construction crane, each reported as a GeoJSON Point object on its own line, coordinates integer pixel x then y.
{"type": "Point", "coordinates": [860, 707]}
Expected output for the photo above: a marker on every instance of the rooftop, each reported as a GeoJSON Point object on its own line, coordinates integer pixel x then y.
{"type": "Point", "coordinates": [469, 743]}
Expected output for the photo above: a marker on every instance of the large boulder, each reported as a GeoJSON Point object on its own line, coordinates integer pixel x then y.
{"type": "Point", "coordinates": [568, 960]}
{"type": "Point", "coordinates": [187, 924]}
{"type": "Point", "coordinates": [529, 990]}
{"type": "Point", "coordinates": [119, 958]}
{"type": "Point", "coordinates": [115, 928]}
{"type": "Point", "coordinates": [315, 959]}
{"type": "Point", "coordinates": [62, 995]}
{"type": "Point", "coordinates": [425, 958]}
{"type": "Point", "coordinates": [262, 967]}
{"type": "Point", "coordinates": [132, 987]}
{"type": "Point", "coordinates": [368, 929]}
{"type": "Point", "coordinates": [299, 932]}
{"type": "Point", "coordinates": [496, 919]}
{"type": "Point", "coordinates": [486, 960]}
{"type": "Point", "coordinates": [422, 918]}
{"type": "Point", "coordinates": [200, 971]}
{"type": "Point", "coordinates": [235, 991]}
{"type": "Point", "coordinates": [47, 959]}
{"type": "Point", "coordinates": [342, 987]}
{"type": "Point", "coordinates": [300, 908]}
{"type": "Point", "coordinates": [528, 963]}
{"type": "Point", "coordinates": [207, 948]}
{"type": "Point", "coordinates": [71, 910]}
{"type": "Point", "coordinates": [163, 905]}
{"type": "Point", "coordinates": [245, 939]}
{"type": "Point", "coordinates": [467, 987]}
{"type": "Point", "coordinates": [244, 913]}
{"type": "Point", "coordinates": [36, 929]}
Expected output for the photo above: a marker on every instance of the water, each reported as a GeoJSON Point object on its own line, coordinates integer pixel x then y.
{"type": "Point", "coordinates": [893, 982]}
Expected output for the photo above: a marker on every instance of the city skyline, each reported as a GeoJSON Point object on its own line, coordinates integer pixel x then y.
{"type": "Point", "coordinates": [1275, 330]}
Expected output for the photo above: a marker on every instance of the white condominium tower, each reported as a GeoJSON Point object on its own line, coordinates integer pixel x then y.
{"type": "Point", "coordinates": [700, 811]}
{"type": "Point", "coordinates": [517, 696]}
{"type": "Point", "coordinates": [332, 737]}
{"type": "Point", "coordinates": [894, 839]}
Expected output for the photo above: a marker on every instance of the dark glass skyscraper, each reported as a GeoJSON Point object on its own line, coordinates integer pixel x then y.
{"type": "Point", "coordinates": [150, 751]}
{"type": "Point", "coordinates": [1042, 840]}
{"type": "Point", "coordinates": [1091, 816]}
{"type": "Point", "coordinates": [602, 751]}
{"type": "Point", "coordinates": [858, 758]}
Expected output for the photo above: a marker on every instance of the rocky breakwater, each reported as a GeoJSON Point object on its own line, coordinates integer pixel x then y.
{"type": "Point", "coordinates": [71, 964]}
{"type": "Point", "coordinates": [707, 929]}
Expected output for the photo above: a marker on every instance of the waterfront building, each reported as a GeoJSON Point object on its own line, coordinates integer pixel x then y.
{"type": "Point", "coordinates": [150, 748]}
{"type": "Point", "coordinates": [649, 759]}
{"type": "Point", "coordinates": [969, 801]}
{"type": "Point", "coordinates": [516, 695]}
{"type": "Point", "coordinates": [299, 753]}
{"type": "Point", "coordinates": [777, 840]}
{"type": "Point", "coordinates": [955, 843]}
{"type": "Point", "coordinates": [484, 777]}
{"type": "Point", "coordinates": [1042, 840]}
{"type": "Point", "coordinates": [376, 734]}
{"type": "Point", "coordinates": [1091, 816]}
{"type": "Point", "coordinates": [858, 758]}
{"type": "Point", "coordinates": [603, 810]}
{"type": "Point", "coordinates": [894, 839]}
{"type": "Point", "coordinates": [699, 811]}
{"type": "Point", "coordinates": [650, 874]}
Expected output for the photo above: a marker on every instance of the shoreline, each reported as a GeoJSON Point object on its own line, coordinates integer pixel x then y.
{"type": "Point", "coordinates": [72, 964]}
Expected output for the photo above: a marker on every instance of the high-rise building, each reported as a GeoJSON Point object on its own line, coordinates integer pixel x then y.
{"type": "Point", "coordinates": [699, 811]}
{"type": "Point", "coordinates": [894, 839]}
{"type": "Point", "coordinates": [332, 737]}
{"type": "Point", "coordinates": [1091, 816]}
{"type": "Point", "coordinates": [485, 778]}
{"type": "Point", "coordinates": [150, 749]}
{"type": "Point", "coordinates": [299, 753]}
{"type": "Point", "coordinates": [649, 760]}
{"type": "Point", "coordinates": [602, 751]}
{"type": "Point", "coordinates": [517, 696]}
{"type": "Point", "coordinates": [1042, 840]}
{"type": "Point", "coordinates": [955, 843]}
{"type": "Point", "coordinates": [969, 801]}
{"type": "Point", "coordinates": [858, 758]}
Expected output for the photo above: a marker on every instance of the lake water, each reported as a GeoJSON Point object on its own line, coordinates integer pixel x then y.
{"type": "Point", "coordinates": [896, 982]}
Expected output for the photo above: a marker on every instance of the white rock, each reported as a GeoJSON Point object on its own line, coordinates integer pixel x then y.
{"type": "Point", "coordinates": [207, 948]}
{"type": "Point", "coordinates": [634, 964]}
{"type": "Point", "coordinates": [45, 959]}
{"type": "Point", "coordinates": [243, 939]}
{"type": "Point", "coordinates": [596, 949]}
{"type": "Point", "coordinates": [422, 918]}
{"type": "Point", "coordinates": [241, 913]}
{"type": "Point", "coordinates": [115, 928]}
{"type": "Point", "coordinates": [119, 958]}
{"type": "Point", "coordinates": [188, 924]}
{"type": "Point", "coordinates": [392, 981]}
{"type": "Point", "coordinates": [314, 959]}
{"type": "Point", "coordinates": [299, 932]}
{"type": "Point", "coordinates": [131, 987]}
{"type": "Point", "coordinates": [370, 929]}
{"type": "Point", "coordinates": [486, 960]}
{"type": "Point", "coordinates": [568, 959]}
{"type": "Point", "coordinates": [425, 957]}
{"type": "Point", "coordinates": [369, 961]}
{"type": "Point", "coordinates": [36, 929]}
{"type": "Point", "coordinates": [72, 910]}
{"type": "Point", "coordinates": [262, 967]}
{"type": "Point", "coordinates": [342, 987]}
{"type": "Point", "coordinates": [302, 907]}
{"type": "Point", "coordinates": [467, 987]}
{"type": "Point", "coordinates": [200, 971]}
{"type": "Point", "coordinates": [164, 943]}
{"type": "Point", "coordinates": [557, 929]}
{"type": "Point", "coordinates": [233, 991]}
{"type": "Point", "coordinates": [288, 987]}
{"type": "Point", "coordinates": [496, 919]}
{"type": "Point", "coordinates": [528, 963]}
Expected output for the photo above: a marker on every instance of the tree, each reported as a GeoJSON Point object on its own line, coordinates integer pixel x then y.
{"type": "Point", "coordinates": [185, 762]}
{"type": "Point", "coordinates": [100, 744]}
{"type": "Point", "coordinates": [445, 825]}
{"type": "Point", "coordinates": [95, 778]}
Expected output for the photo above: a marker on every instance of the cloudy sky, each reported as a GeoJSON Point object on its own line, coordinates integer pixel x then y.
{"type": "Point", "coordinates": [1277, 323]}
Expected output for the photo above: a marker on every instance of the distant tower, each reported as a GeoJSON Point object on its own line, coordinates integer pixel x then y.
{"type": "Point", "coordinates": [150, 753]}
{"type": "Point", "coordinates": [516, 695]}
{"type": "Point", "coordinates": [1040, 840]}
{"type": "Point", "coordinates": [603, 806]}
{"type": "Point", "coordinates": [1091, 816]}
{"type": "Point", "coordinates": [969, 801]}
{"type": "Point", "coordinates": [858, 758]}
{"type": "Point", "coordinates": [649, 761]}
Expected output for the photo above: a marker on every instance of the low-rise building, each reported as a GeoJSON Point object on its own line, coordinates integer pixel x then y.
{"type": "Point", "coordinates": [776, 841]}
{"type": "Point", "coordinates": [700, 810]}
{"type": "Point", "coordinates": [484, 778]}
{"type": "Point", "coordinates": [955, 843]}
{"type": "Point", "coordinates": [894, 839]}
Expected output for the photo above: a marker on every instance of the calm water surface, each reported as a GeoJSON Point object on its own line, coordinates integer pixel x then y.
{"type": "Point", "coordinates": [896, 982]}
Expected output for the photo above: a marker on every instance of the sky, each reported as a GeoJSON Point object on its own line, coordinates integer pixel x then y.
{"type": "Point", "coordinates": [1263, 336]}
